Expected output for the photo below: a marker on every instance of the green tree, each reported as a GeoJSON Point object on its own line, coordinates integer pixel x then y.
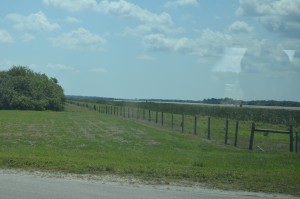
{"type": "Point", "coordinates": [21, 88]}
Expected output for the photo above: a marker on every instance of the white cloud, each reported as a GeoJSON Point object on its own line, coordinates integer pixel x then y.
{"type": "Point", "coordinates": [119, 8]}
{"type": "Point", "coordinates": [146, 57]}
{"type": "Point", "coordinates": [72, 5]}
{"type": "Point", "coordinates": [72, 20]}
{"type": "Point", "coordinates": [128, 10]}
{"type": "Point", "coordinates": [281, 16]}
{"type": "Point", "coordinates": [80, 39]}
{"type": "Point", "coordinates": [5, 37]}
{"type": "Point", "coordinates": [208, 44]}
{"type": "Point", "coordinates": [27, 37]}
{"type": "Point", "coordinates": [98, 70]}
{"type": "Point", "coordinates": [61, 67]}
{"type": "Point", "coordinates": [268, 58]}
{"type": "Point", "coordinates": [262, 8]}
{"type": "Point", "coordinates": [33, 22]}
{"type": "Point", "coordinates": [158, 42]}
{"type": "Point", "coordinates": [123, 9]}
{"type": "Point", "coordinates": [240, 27]}
{"type": "Point", "coordinates": [174, 4]}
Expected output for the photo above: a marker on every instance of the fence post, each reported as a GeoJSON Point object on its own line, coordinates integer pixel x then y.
{"type": "Point", "coordinates": [162, 118]}
{"type": "Point", "coordinates": [226, 132]}
{"type": "Point", "coordinates": [156, 117]}
{"type": "Point", "coordinates": [137, 114]}
{"type": "Point", "coordinates": [182, 123]}
{"type": "Point", "coordinates": [291, 139]}
{"type": "Point", "coordinates": [149, 116]}
{"type": "Point", "coordinates": [208, 128]}
{"type": "Point", "coordinates": [297, 142]}
{"type": "Point", "coordinates": [172, 122]}
{"type": "Point", "coordinates": [106, 109]}
{"type": "Point", "coordinates": [236, 132]}
{"type": "Point", "coordinates": [143, 114]}
{"type": "Point", "coordinates": [252, 136]}
{"type": "Point", "coordinates": [195, 125]}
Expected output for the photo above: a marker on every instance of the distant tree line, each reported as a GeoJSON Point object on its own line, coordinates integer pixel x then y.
{"type": "Point", "coordinates": [205, 101]}
{"type": "Point", "coordinates": [23, 89]}
{"type": "Point", "coordinates": [254, 102]}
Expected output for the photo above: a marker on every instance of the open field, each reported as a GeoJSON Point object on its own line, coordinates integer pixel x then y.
{"type": "Point", "coordinates": [85, 142]}
{"type": "Point", "coordinates": [180, 118]}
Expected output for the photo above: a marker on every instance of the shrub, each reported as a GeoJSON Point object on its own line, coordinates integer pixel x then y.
{"type": "Point", "coordinates": [23, 89]}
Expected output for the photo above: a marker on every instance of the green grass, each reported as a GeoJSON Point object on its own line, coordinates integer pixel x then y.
{"type": "Point", "coordinates": [86, 142]}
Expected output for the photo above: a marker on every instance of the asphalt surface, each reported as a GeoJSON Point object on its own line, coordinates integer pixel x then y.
{"type": "Point", "coordinates": [14, 185]}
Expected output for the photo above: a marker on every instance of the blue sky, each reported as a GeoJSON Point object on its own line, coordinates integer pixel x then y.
{"type": "Point", "coordinates": [180, 49]}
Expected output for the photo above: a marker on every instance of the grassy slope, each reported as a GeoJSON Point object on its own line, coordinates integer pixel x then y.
{"type": "Point", "coordinates": [80, 141]}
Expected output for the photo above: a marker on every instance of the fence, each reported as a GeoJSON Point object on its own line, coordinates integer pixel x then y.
{"type": "Point", "coordinates": [290, 133]}
{"type": "Point", "coordinates": [216, 130]}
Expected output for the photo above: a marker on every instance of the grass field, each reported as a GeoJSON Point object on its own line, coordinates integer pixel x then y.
{"type": "Point", "coordinates": [82, 141]}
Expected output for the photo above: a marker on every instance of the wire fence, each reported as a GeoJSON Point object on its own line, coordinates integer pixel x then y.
{"type": "Point", "coordinates": [219, 131]}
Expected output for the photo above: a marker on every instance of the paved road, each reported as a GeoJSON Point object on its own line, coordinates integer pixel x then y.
{"type": "Point", "coordinates": [33, 186]}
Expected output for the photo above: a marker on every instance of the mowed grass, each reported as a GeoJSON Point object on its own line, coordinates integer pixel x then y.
{"type": "Point", "coordinates": [86, 142]}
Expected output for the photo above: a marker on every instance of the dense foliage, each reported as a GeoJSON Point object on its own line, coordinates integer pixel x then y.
{"type": "Point", "coordinates": [23, 89]}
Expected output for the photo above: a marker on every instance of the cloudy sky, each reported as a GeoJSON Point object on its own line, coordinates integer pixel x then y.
{"type": "Point", "coordinates": [179, 49]}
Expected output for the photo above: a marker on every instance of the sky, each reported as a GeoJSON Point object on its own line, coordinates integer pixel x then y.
{"type": "Point", "coordinates": [158, 49]}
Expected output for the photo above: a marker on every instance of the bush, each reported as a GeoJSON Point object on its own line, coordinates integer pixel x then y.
{"type": "Point", "coordinates": [23, 89]}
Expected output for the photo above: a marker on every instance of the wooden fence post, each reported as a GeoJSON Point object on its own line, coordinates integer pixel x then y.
{"type": "Point", "coordinates": [195, 125]}
{"type": "Point", "coordinates": [106, 110]}
{"type": "Point", "coordinates": [236, 132]}
{"type": "Point", "coordinates": [182, 123]}
{"type": "Point", "coordinates": [156, 117]}
{"type": "Point", "coordinates": [291, 139]}
{"type": "Point", "coordinates": [297, 142]}
{"type": "Point", "coordinates": [162, 118]}
{"type": "Point", "coordinates": [137, 114]}
{"type": "Point", "coordinates": [149, 116]}
{"type": "Point", "coordinates": [172, 122]}
{"type": "Point", "coordinates": [226, 132]}
{"type": "Point", "coordinates": [143, 114]}
{"type": "Point", "coordinates": [252, 136]}
{"type": "Point", "coordinates": [208, 128]}
{"type": "Point", "coordinates": [128, 112]}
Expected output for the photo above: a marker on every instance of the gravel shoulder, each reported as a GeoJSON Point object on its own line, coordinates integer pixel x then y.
{"type": "Point", "coordinates": [23, 184]}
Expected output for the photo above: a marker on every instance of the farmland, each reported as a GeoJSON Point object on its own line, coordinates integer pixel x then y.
{"type": "Point", "coordinates": [83, 141]}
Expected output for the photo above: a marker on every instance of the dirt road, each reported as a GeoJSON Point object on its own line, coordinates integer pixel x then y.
{"type": "Point", "coordinates": [19, 184]}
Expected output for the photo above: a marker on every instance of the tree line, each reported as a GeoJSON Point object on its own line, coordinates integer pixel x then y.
{"type": "Point", "coordinates": [253, 102]}
{"type": "Point", "coordinates": [23, 89]}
